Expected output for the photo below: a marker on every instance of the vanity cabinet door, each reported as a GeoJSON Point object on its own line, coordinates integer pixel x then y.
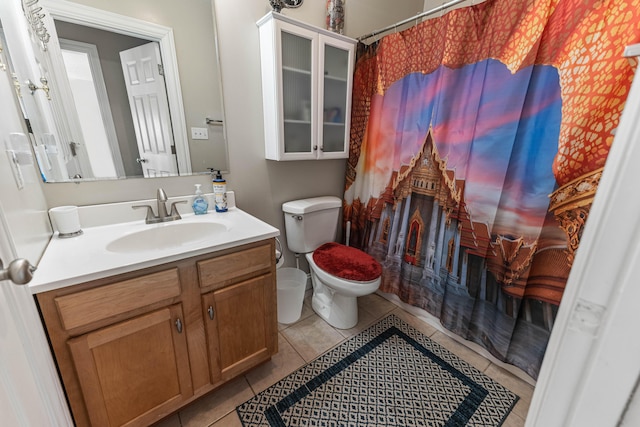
{"type": "Point", "coordinates": [134, 371]}
{"type": "Point", "coordinates": [239, 326]}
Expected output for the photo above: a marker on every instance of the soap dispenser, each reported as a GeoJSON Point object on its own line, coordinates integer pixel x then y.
{"type": "Point", "coordinates": [200, 204]}
{"type": "Point", "coordinates": [220, 192]}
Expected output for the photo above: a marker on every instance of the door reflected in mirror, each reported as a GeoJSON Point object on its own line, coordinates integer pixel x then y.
{"type": "Point", "coordinates": [117, 108]}
{"type": "Point", "coordinates": [107, 72]}
{"type": "Point", "coordinates": [99, 104]}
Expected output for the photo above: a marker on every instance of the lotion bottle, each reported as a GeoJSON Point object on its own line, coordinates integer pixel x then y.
{"type": "Point", "coordinates": [220, 192]}
{"type": "Point", "coordinates": [199, 204]}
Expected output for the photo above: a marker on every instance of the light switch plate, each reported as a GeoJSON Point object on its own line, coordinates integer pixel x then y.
{"type": "Point", "coordinates": [199, 133]}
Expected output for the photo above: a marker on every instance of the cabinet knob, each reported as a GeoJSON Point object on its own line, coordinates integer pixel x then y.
{"type": "Point", "coordinates": [315, 148]}
{"type": "Point", "coordinates": [179, 326]}
{"type": "Point", "coordinates": [210, 311]}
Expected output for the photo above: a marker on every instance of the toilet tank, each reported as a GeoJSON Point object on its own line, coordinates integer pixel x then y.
{"type": "Point", "coordinates": [311, 222]}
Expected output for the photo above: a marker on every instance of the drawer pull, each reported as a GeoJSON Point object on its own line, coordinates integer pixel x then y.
{"type": "Point", "coordinates": [210, 311]}
{"type": "Point", "coordinates": [179, 326]}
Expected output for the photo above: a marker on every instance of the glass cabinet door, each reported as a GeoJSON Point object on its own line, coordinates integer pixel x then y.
{"type": "Point", "coordinates": [297, 90]}
{"type": "Point", "coordinates": [336, 91]}
{"type": "Point", "coordinates": [307, 76]}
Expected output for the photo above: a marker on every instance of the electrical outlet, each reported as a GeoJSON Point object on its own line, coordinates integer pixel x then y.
{"type": "Point", "coordinates": [199, 133]}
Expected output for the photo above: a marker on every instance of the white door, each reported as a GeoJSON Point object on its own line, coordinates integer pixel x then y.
{"type": "Point", "coordinates": [19, 392]}
{"type": "Point", "coordinates": [12, 369]}
{"type": "Point", "coordinates": [142, 68]}
{"type": "Point", "coordinates": [30, 391]}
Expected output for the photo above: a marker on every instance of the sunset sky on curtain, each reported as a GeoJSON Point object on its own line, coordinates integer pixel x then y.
{"type": "Point", "coordinates": [468, 114]}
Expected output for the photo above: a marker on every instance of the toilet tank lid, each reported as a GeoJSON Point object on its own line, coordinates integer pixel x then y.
{"type": "Point", "coordinates": [312, 204]}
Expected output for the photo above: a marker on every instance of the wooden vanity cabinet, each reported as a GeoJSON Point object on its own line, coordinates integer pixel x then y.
{"type": "Point", "coordinates": [133, 348]}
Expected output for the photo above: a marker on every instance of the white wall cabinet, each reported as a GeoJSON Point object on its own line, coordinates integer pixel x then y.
{"type": "Point", "coordinates": [307, 77]}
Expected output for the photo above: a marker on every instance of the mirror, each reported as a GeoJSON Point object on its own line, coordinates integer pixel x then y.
{"type": "Point", "coordinates": [98, 128]}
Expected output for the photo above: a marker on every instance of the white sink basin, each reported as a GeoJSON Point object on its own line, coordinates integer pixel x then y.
{"type": "Point", "coordinates": [166, 236]}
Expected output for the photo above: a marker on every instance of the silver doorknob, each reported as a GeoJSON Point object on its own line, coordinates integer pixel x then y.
{"type": "Point", "coordinates": [141, 160]}
{"type": "Point", "coordinates": [20, 271]}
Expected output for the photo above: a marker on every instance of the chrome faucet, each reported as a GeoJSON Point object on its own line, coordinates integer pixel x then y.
{"type": "Point", "coordinates": [161, 200]}
{"type": "Point", "coordinates": [163, 216]}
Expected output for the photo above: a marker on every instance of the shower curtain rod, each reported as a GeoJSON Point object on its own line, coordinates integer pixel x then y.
{"type": "Point", "coordinates": [413, 18]}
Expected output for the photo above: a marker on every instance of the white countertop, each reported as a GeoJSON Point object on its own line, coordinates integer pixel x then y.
{"type": "Point", "coordinates": [83, 258]}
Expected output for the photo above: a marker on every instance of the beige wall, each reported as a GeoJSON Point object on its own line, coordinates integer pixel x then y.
{"type": "Point", "coordinates": [261, 185]}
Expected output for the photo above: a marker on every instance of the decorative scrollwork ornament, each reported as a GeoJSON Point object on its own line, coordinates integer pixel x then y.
{"type": "Point", "coordinates": [277, 5]}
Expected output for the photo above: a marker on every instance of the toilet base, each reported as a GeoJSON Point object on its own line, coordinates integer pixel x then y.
{"type": "Point", "coordinates": [336, 300]}
{"type": "Point", "coordinates": [340, 311]}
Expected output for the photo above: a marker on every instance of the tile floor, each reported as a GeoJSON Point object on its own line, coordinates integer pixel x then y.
{"type": "Point", "coordinates": [311, 336]}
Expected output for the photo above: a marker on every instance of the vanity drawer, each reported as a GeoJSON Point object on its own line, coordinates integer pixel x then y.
{"type": "Point", "coordinates": [85, 307]}
{"type": "Point", "coordinates": [225, 269]}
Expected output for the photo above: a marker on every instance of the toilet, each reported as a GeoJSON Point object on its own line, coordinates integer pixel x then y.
{"type": "Point", "coordinates": [339, 274]}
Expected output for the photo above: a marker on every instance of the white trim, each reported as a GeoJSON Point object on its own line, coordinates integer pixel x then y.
{"type": "Point", "coordinates": [301, 24]}
{"type": "Point", "coordinates": [632, 50]}
{"type": "Point", "coordinates": [91, 50]}
{"type": "Point", "coordinates": [591, 364]}
{"type": "Point", "coordinates": [220, 89]}
{"type": "Point", "coordinates": [76, 13]}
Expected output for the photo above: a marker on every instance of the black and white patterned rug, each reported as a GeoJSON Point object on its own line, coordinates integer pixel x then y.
{"type": "Point", "coordinates": [388, 375]}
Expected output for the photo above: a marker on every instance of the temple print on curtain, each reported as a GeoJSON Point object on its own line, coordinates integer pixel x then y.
{"type": "Point", "coordinates": [477, 141]}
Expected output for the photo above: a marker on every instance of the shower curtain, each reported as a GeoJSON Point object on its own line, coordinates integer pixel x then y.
{"type": "Point", "coordinates": [477, 140]}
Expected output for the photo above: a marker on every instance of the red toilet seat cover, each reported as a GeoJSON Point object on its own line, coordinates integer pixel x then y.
{"type": "Point", "coordinates": [347, 262]}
